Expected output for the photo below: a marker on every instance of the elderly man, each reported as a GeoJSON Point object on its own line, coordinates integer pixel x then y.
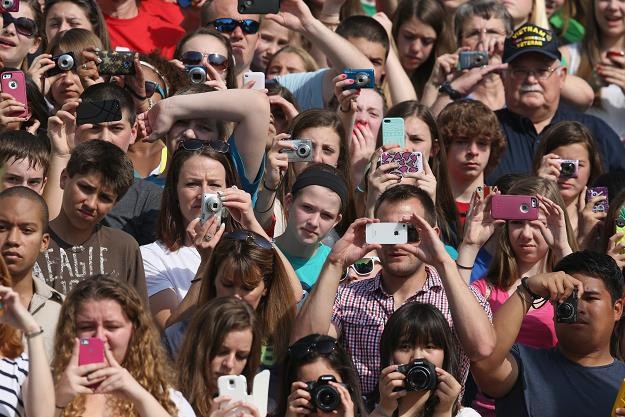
{"type": "Point", "coordinates": [532, 86]}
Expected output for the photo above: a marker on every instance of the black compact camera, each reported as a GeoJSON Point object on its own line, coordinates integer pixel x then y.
{"type": "Point", "coordinates": [363, 78]}
{"type": "Point", "coordinates": [323, 395]}
{"type": "Point", "coordinates": [62, 63]}
{"type": "Point", "coordinates": [566, 312]}
{"type": "Point", "coordinates": [420, 375]}
{"type": "Point", "coordinates": [196, 73]}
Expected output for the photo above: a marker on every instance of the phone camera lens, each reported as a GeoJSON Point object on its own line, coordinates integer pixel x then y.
{"type": "Point", "coordinates": [524, 208]}
{"type": "Point", "coordinates": [12, 85]}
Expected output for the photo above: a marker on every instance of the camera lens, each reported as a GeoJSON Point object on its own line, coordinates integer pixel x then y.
{"type": "Point", "coordinates": [303, 150]}
{"type": "Point", "coordinates": [524, 208]}
{"type": "Point", "coordinates": [7, 4]}
{"type": "Point", "coordinates": [362, 79]}
{"type": "Point", "coordinates": [197, 75]}
{"type": "Point", "coordinates": [327, 398]}
{"type": "Point", "coordinates": [12, 85]}
{"type": "Point", "coordinates": [418, 378]}
{"type": "Point", "coordinates": [65, 62]}
{"type": "Point", "coordinates": [567, 168]}
{"type": "Point", "coordinates": [565, 311]}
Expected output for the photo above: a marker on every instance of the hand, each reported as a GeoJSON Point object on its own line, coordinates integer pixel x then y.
{"type": "Point", "coordinates": [289, 110]}
{"type": "Point", "coordinates": [479, 225]}
{"type": "Point", "coordinates": [386, 23]}
{"type": "Point", "coordinates": [224, 407]}
{"type": "Point", "coordinates": [294, 15]}
{"type": "Point", "coordinates": [298, 402]}
{"type": "Point", "coordinates": [589, 221]}
{"type": "Point", "coordinates": [346, 98]}
{"type": "Point", "coordinates": [616, 249]}
{"type": "Point", "coordinates": [37, 71]}
{"type": "Point", "coordinates": [430, 249]}
{"type": "Point", "coordinates": [612, 70]}
{"type": "Point", "coordinates": [74, 379]}
{"type": "Point", "coordinates": [381, 177]}
{"type": "Point", "coordinates": [277, 161]}
{"type": "Point", "coordinates": [62, 129]}
{"type": "Point", "coordinates": [205, 236]}
{"type": "Point", "coordinates": [213, 77]}
{"type": "Point", "coordinates": [620, 411]}
{"type": "Point", "coordinates": [423, 179]}
{"type": "Point", "coordinates": [392, 388]}
{"type": "Point", "coordinates": [549, 167]}
{"type": "Point", "coordinates": [88, 72]}
{"type": "Point", "coordinates": [353, 246]}
{"type": "Point", "coordinates": [159, 119]}
{"type": "Point", "coordinates": [347, 405]}
{"type": "Point", "coordinates": [239, 204]}
{"type": "Point", "coordinates": [554, 231]}
{"type": "Point", "coordinates": [116, 379]}
{"type": "Point", "coordinates": [447, 391]}
{"type": "Point", "coordinates": [14, 312]}
{"type": "Point", "coordinates": [8, 108]}
{"type": "Point", "coordinates": [556, 286]}
{"type": "Point", "coordinates": [135, 82]}
{"type": "Point", "coordinates": [361, 148]}
{"type": "Point", "coordinates": [444, 66]}
{"type": "Point", "coordinates": [465, 81]}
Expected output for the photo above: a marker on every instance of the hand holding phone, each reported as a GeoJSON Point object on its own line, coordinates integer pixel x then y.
{"type": "Point", "coordinates": [14, 83]}
{"type": "Point", "coordinates": [91, 351]}
{"type": "Point", "coordinates": [514, 207]}
{"type": "Point", "coordinates": [619, 402]}
{"type": "Point", "coordinates": [601, 206]}
{"type": "Point", "coordinates": [257, 77]}
{"type": "Point", "coordinates": [390, 233]}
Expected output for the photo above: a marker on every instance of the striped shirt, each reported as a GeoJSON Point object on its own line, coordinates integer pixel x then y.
{"type": "Point", "coordinates": [13, 373]}
{"type": "Point", "coordinates": [362, 309]}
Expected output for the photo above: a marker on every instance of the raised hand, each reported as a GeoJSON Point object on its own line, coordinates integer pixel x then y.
{"type": "Point", "coordinates": [294, 15]}
{"type": "Point", "coordinates": [549, 167]}
{"type": "Point", "coordinates": [616, 249]}
{"type": "Point", "coordinates": [37, 71]}
{"type": "Point", "coordinates": [298, 401]}
{"type": "Point", "coordinates": [392, 389]}
{"type": "Point", "coordinates": [554, 231]}
{"type": "Point", "coordinates": [346, 98]}
{"type": "Point", "coordinates": [556, 286]}
{"type": "Point", "coordinates": [353, 246]}
{"type": "Point", "coordinates": [277, 161]}
{"type": "Point", "coordinates": [62, 129]}
{"type": "Point", "coordinates": [447, 391]}
{"type": "Point", "coordinates": [479, 225]}
{"type": "Point", "coordinates": [205, 236]}
{"type": "Point", "coordinates": [430, 249]}
{"type": "Point", "coordinates": [116, 379]}
{"type": "Point", "coordinates": [423, 179]}
{"type": "Point", "coordinates": [589, 221]}
{"type": "Point", "coordinates": [9, 107]}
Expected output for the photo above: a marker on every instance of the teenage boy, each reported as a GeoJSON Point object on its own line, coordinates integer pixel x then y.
{"type": "Point", "coordinates": [25, 158]}
{"type": "Point", "coordinates": [98, 174]}
{"type": "Point", "coordinates": [23, 224]}
{"type": "Point", "coordinates": [314, 206]}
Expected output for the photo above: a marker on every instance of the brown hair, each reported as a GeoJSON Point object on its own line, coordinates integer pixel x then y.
{"type": "Point", "coordinates": [22, 145]}
{"type": "Point", "coordinates": [471, 119]}
{"type": "Point", "coordinates": [10, 338]}
{"type": "Point", "coordinates": [309, 62]}
{"type": "Point", "coordinates": [74, 40]}
{"type": "Point", "coordinates": [204, 336]}
{"type": "Point", "coordinates": [93, 14]}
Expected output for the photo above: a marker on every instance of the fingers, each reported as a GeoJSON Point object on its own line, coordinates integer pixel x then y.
{"type": "Point", "coordinates": [73, 360]}
{"type": "Point", "coordinates": [108, 354]}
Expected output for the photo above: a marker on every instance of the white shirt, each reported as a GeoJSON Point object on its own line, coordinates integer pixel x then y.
{"type": "Point", "coordinates": [169, 270]}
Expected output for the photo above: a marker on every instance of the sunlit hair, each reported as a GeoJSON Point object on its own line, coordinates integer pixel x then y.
{"type": "Point", "coordinates": [504, 269]}
{"type": "Point", "coordinates": [420, 324]}
{"type": "Point", "coordinates": [310, 65]}
{"type": "Point", "coordinates": [145, 358]}
{"type": "Point", "coordinates": [171, 228]}
{"type": "Point", "coordinates": [10, 338]}
{"type": "Point", "coordinates": [204, 337]}
{"type": "Point", "coordinates": [251, 264]}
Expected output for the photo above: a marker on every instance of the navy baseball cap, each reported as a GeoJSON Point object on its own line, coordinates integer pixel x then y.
{"type": "Point", "coordinates": [531, 38]}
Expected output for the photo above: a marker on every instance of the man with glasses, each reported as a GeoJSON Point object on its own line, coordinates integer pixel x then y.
{"type": "Point", "coordinates": [532, 84]}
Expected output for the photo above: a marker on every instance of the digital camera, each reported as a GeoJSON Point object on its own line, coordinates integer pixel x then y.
{"type": "Point", "coordinates": [62, 63]}
{"type": "Point", "coordinates": [323, 395]}
{"type": "Point", "coordinates": [363, 78]}
{"type": "Point", "coordinates": [472, 59]}
{"type": "Point", "coordinates": [211, 206]}
{"type": "Point", "coordinates": [10, 5]}
{"type": "Point", "coordinates": [566, 312]}
{"type": "Point", "coordinates": [568, 168]}
{"type": "Point", "coordinates": [420, 375]}
{"type": "Point", "coordinates": [196, 73]}
{"type": "Point", "coordinates": [302, 151]}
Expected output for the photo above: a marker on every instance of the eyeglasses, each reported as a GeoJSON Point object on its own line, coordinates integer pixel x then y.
{"type": "Point", "coordinates": [362, 267]}
{"type": "Point", "coordinates": [299, 351]}
{"type": "Point", "coordinates": [228, 25]}
{"type": "Point", "coordinates": [152, 87]}
{"type": "Point", "coordinates": [218, 61]}
{"type": "Point", "coordinates": [197, 145]}
{"type": "Point", "coordinates": [540, 73]}
{"type": "Point", "coordinates": [249, 237]}
{"type": "Point", "coordinates": [23, 25]}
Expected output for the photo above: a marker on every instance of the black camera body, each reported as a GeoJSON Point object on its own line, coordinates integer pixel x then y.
{"type": "Point", "coordinates": [363, 78]}
{"type": "Point", "coordinates": [420, 375]}
{"type": "Point", "coordinates": [566, 312]}
{"type": "Point", "coordinates": [323, 395]}
{"type": "Point", "coordinates": [62, 63]}
{"type": "Point", "coordinates": [196, 73]}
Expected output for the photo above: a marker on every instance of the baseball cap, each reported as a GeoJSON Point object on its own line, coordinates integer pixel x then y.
{"type": "Point", "coordinates": [531, 38]}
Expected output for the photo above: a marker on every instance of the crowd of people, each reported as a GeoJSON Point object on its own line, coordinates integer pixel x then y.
{"type": "Point", "coordinates": [190, 196]}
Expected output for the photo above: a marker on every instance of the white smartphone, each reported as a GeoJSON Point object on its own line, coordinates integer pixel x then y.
{"type": "Point", "coordinates": [390, 233]}
{"type": "Point", "coordinates": [257, 77]}
{"type": "Point", "coordinates": [232, 386]}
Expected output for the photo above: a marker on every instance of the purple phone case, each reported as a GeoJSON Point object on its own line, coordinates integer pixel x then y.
{"type": "Point", "coordinates": [602, 206]}
{"type": "Point", "coordinates": [408, 161]}
{"type": "Point", "coordinates": [514, 207]}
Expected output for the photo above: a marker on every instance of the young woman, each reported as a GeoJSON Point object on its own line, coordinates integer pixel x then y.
{"type": "Point", "coordinates": [288, 60]}
{"type": "Point", "coordinates": [223, 338]}
{"type": "Point", "coordinates": [133, 379]}
{"type": "Point", "coordinates": [418, 331]}
{"type": "Point", "coordinates": [571, 141]}
{"type": "Point", "coordinates": [310, 358]}
{"type": "Point", "coordinates": [22, 34]}
{"type": "Point", "coordinates": [61, 15]}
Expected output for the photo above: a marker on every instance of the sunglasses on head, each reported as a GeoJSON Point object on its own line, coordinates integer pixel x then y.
{"type": "Point", "coordinates": [299, 351]}
{"type": "Point", "coordinates": [228, 25]}
{"type": "Point", "coordinates": [362, 267]}
{"type": "Point", "coordinates": [249, 237]}
{"type": "Point", "coordinates": [23, 25]}
{"type": "Point", "coordinates": [219, 62]}
{"type": "Point", "coordinates": [152, 87]}
{"type": "Point", "coordinates": [197, 145]}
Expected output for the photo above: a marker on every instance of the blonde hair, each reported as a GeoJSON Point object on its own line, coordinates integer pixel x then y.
{"type": "Point", "coordinates": [145, 357]}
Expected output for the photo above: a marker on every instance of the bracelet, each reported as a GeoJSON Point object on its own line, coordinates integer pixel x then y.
{"type": "Point", "coordinates": [527, 288]}
{"type": "Point", "coordinates": [35, 333]}
{"type": "Point", "coordinates": [266, 187]}
{"type": "Point", "coordinates": [464, 267]}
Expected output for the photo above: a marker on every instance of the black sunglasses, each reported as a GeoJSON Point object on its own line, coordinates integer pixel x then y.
{"type": "Point", "coordinates": [218, 61]}
{"type": "Point", "coordinates": [152, 87]}
{"type": "Point", "coordinates": [197, 145]}
{"type": "Point", "coordinates": [23, 25]}
{"type": "Point", "coordinates": [249, 237]}
{"type": "Point", "coordinates": [227, 25]}
{"type": "Point", "coordinates": [299, 351]}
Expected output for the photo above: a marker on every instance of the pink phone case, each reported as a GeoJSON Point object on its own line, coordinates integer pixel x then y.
{"type": "Point", "coordinates": [91, 351]}
{"type": "Point", "coordinates": [14, 83]}
{"type": "Point", "coordinates": [514, 207]}
{"type": "Point", "coordinates": [408, 161]}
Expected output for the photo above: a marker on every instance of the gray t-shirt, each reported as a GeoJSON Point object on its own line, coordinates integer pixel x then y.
{"type": "Point", "coordinates": [550, 385]}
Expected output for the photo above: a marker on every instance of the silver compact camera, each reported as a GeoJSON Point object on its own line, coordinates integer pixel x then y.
{"type": "Point", "coordinates": [196, 73]}
{"type": "Point", "coordinates": [302, 152]}
{"type": "Point", "coordinates": [211, 206]}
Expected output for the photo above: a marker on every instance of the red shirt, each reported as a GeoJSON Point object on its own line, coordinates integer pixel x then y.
{"type": "Point", "coordinates": [158, 25]}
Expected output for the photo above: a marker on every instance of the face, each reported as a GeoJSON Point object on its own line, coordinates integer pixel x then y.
{"type": "Point", "coordinates": [231, 357]}
{"type": "Point", "coordinates": [370, 109]}
{"type": "Point", "coordinates": [243, 45]}
{"type": "Point", "coordinates": [418, 137]}
{"type": "Point", "coordinates": [285, 63]}
{"type": "Point", "coordinates": [227, 286]}
{"type": "Point", "coordinates": [610, 15]}
{"type": "Point", "coordinates": [406, 353]}
{"type": "Point", "coordinates": [375, 52]}
{"type": "Point", "coordinates": [120, 133]}
{"type": "Point", "coordinates": [105, 320]}
{"type": "Point", "coordinates": [203, 129]}
{"type": "Point", "coordinates": [552, 6]}
{"type": "Point", "coordinates": [64, 16]}
{"type": "Point", "coordinates": [22, 237]}
{"type": "Point", "coordinates": [199, 175]}
{"type": "Point", "coordinates": [527, 95]}
{"type": "Point", "coordinates": [206, 44]}
{"type": "Point", "coordinates": [596, 316]}
{"type": "Point", "coordinates": [86, 200]}
{"type": "Point", "coordinates": [526, 240]}
{"type": "Point", "coordinates": [20, 172]}
{"type": "Point", "coordinates": [519, 10]}
{"type": "Point", "coordinates": [312, 371]}
{"type": "Point", "coordinates": [272, 37]}
{"type": "Point", "coordinates": [14, 46]}
{"type": "Point", "coordinates": [313, 213]}
{"type": "Point", "coordinates": [571, 187]}
{"type": "Point", "coordinates": [326, 144]}
{"type": "Point", "coordinates": [64, 87]}
{"type": "Point", "coordinates": [467, 158]}
{"type": "Point", "coordinates": [479, 32]}
{"type": "Point", "coordinates": [415, 43]}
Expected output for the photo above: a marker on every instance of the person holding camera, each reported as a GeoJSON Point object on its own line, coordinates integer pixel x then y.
{"type": "Point", "coordinates": [419, 360]}
{"type": "Point", "coordinates": [320, 379]}
{"type": "Point", "coordinates": [578, 377]}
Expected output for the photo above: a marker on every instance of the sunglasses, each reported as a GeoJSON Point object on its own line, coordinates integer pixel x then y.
{"type": "Point", "coordinates": [362, 267]}
{"type": "Point", "coordinates": [228, 25]}
{"type": "Point", "coordinates": [218, 61]}
{"type": "Point", "coordinates": [23, 25]}
{"type": "Point", "coordinates": [152, 87]}
{"type": "Point", "coordinates": [299, 351]}
{"type": "Point", "coordinates": [249, 237]}
{"type": "Point", "coordinates": [197, 145]}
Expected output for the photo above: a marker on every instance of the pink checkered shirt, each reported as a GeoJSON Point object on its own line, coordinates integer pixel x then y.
{"type": "Point", "coordinates": [362, 309]}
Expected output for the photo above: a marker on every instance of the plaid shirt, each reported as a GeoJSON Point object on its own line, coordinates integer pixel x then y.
{"type": "Point", "coordinates": [362, 309]}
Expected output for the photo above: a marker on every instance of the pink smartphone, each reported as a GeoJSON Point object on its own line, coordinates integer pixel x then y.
{"type": "Point", "coordinates": [514, 207]}
{"type": "Point", "coordinates": [14, 83]}
{"type": "Point", "coordinates": [91, 351]}
{"type": "Point", "coordinates": [408, 161]}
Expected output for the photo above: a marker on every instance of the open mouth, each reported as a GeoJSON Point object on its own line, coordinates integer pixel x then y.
{"type": "Point", "coordinates": [7, 42]}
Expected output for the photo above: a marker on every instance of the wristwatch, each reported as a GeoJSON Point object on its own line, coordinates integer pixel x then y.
{"type": "Point", "coordinates": [450, 91]}
{"type": "Point", "coordinates": [529, 292]}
